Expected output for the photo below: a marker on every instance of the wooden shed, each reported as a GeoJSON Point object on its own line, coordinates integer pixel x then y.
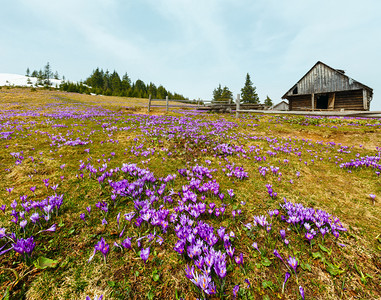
{"type": "Point", "coordinates": [325, 88]}
{"type": "Point", "coordinates": [281, 106]}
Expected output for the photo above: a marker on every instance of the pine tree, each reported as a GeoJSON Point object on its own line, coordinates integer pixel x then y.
{"type": "Point", "coordinates": [248, 92]}
{"type": "Point", "coordinates": [152, 90]}
{"type": "Point", "coordinates": [27, 72]}
{"type": "Point", "coordinates": [106, 83]}
{"type": "Point", "coordinates": [34, 73]}
{"type": "Point", "coordinates": [56, 76]}
{"type": "Point", "coordinates": [141, 89]}
{"type": "Point", "coordinates": [126, 82]}
{"type": "Point", "coordinates": [226, 95]}
{"type": "Point", "coordinates": [217, 93]}
{"type": "Point", "coordinates": [268, 101]}
{"type": "Point", "coordinates": [116, 83]}
{"type": "Point", "coordinates": [161, 92]}
{"type": "Point", "coordinates": [47, 74]}
{"type": "Point", "coordinates": [96, 79]}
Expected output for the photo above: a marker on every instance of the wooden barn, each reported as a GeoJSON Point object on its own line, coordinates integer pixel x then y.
{"type": "Point", "coordinates": [325, 88]}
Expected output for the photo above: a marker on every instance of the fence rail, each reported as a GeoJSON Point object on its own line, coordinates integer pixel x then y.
{"type": "Point", "coordinates": [239, 108]}
{"type": "Point", "coordinates": [170, 103]}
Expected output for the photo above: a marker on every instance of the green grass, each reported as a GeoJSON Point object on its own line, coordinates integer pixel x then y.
{"type": "Point", "coordinates": [327, 270]}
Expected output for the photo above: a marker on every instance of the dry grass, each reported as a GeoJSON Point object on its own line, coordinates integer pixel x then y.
{"type": "Point", "coordinates": [322, 185]}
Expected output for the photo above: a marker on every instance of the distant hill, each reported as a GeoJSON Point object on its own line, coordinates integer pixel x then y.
{"type": "Point", "coordinates": [7, 79]}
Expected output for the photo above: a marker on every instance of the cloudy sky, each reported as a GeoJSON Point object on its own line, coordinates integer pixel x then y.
{"type": "Point", "coordinates": [191, 46]}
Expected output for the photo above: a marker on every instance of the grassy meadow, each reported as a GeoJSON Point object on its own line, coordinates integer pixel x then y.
{"type": "Point", "coordinates": [98, 197]}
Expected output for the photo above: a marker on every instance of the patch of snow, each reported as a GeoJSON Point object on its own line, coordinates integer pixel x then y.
{"type": "Point", "coordinates": [7, 79]}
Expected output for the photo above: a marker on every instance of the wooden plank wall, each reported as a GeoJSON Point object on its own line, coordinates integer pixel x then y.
{"type": "Point", "coordinates": [301, 102]}
{"type": "Point", "coordinates": [349, 100]}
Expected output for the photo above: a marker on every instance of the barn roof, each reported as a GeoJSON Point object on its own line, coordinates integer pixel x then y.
{"type": "Point", "coordinates": [322, 78]}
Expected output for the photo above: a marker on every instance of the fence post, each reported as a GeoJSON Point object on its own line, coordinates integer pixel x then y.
{"type": "Point", "coordinates": [149, 103]}
{"type": "Point", "coordinates": [166, 103]}
{"type": "Point", "coordinates": [237, 102]}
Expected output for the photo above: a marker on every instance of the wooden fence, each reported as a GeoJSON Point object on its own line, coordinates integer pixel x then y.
{"type": "Point", "coordinates": [239, 108]}
{"type": "Point", "coordinates": [171, 103]}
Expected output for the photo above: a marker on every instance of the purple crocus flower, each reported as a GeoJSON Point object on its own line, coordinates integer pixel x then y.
{"type": "Point", "coordinates": [50, 229]}
{"type": "Point", "coordinates": [204, 281]}
{"type": "Point", "coordinates": [309, 236]}
{"type": "Point", "coordinates": [220, 269]}
{"type": "Point", "coordinates": [282, 234]}
{"type": "Point", "coordinates": [82, 216]}
{"type": "Point", "coordinates": [129, 216]}
{"type": "Point", "coordinates": [230, 251]}
{"type": "Point", "coordinates": [255, 246]}
{"type": "Point", "coordinates": [286, 277]}
{"type": "Point", "coordinates": [24, 246]}
{"type": "Point", "coordinates": [301, 290]}
{"type": "Point", "coordinates": [2, 207]}
{"type": "Point", "coordinates": [127, 243]}
{"type": "Point", "coordinates": [33, 189]}
{"type": "Point", "coordinates": [248, 283]}
{"type": "Point", "coordinates": [104, 222]}
{"type": "Point", "coordinates": [117, 219]}
{"type": "Point", "coordinates": [159, 240]}
{"type": "Point", "coordinates": [102, 247]}
{"type": "Point", "coordinates": [95, 298]}
{"type": "Point", "coordinates": [23, 223]}
{"type": "Point", "coordinates": [9, 190]}
{"type": "Point", "coordinates": [212, 289]}
{"type": "Point", "coordinates": [276, 253]}
{"type": "Point", "coordinates": [144, 253]}
{"type": "Point", "coordinates": [14, 204]}
{"type": "Point", "coordinates": [88, 209]}
{"type": "Point", "coordinates": [2, 233]}
{"type": "Point", "coordinates": [34, 217]}
{"type": "Point", "coordinates": [239, 259]}
{"type": "Point", "coordinates": [235, 291]}
{"type": "Point", "coordinates": [293, 263]}
{"type": "Point", "coordinates": [189, 272]}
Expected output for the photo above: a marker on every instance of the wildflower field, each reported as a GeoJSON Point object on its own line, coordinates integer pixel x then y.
{"type": "Point", "coordinates": [99, 198]}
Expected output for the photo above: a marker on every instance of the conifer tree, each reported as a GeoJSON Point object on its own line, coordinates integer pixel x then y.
{"type": "Point", "coordinates": [126, 82]}
{"type": "Point", "coordinates": [47, 74]}
{"type": "Point", "coordinates": [248, 92]}
{"type": "Point", "coordinates": [217, 93]}
{"type": "Point", "coordinates": [115, 83]}
{"type": "Point", "coordinates": [226, 95]}
{"type": "Point", "coordinates": [161, 92]}
{"type": "Point", "coordinates": [152, 90]}
{"type": "Point", "coordinates": [268, 101]}
{"type": "Point", "coordinates": [27, 72]}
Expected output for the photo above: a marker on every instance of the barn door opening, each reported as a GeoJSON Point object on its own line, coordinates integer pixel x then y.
{"type": "Point", "coordinates": [322, 101]}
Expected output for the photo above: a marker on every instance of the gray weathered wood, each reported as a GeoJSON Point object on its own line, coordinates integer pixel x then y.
{"type": "Point", "coordinates": [313, 101]}
{"type": "Point", "coordinates": [237, 102]}
{"type": "Point", "coordinates": [149, 103]}
{"type": "Point", "coordinates": [166, 103]}
{"type": "Point", "coordinates": [321, 79]}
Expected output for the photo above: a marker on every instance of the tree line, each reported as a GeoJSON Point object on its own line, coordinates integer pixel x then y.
{"type": "Point", "coordinates": [248, 93]}
{"type": "Point", "coordinates": [111, 84]}
{"type": "Point", "coordinates": [105, 83]}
